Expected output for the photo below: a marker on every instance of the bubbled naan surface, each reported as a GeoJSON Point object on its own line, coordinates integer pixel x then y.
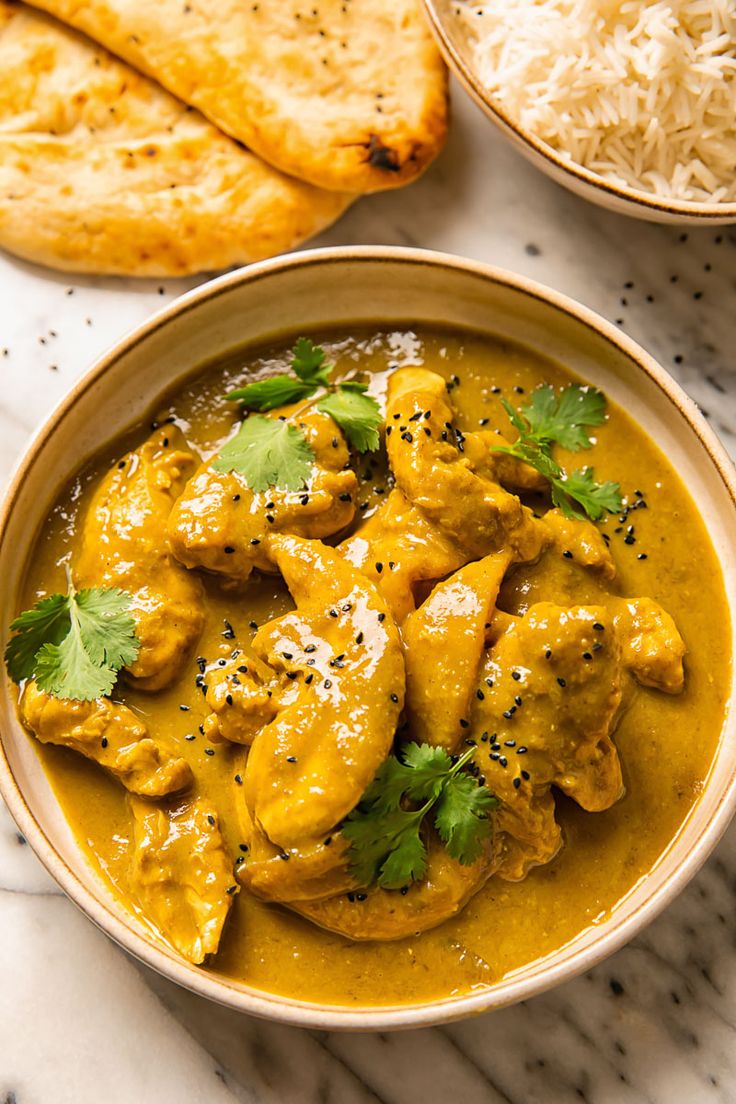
{"type": "Point", "coordinates": [346, 94]}
{"type": "Point", "coordinates": [103, 171]}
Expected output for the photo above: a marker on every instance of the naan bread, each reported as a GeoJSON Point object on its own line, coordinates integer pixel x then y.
{"type": "Point", "coordinates": [347, 94]}
{"type": "Point", "coordinates": [102, 171]}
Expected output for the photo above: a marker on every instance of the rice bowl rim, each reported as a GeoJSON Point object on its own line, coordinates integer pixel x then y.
{"type": "Point", "coordinates": [449, 38]}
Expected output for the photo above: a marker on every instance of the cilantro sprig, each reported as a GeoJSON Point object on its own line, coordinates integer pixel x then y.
{"type": "Point", "coordinates": [74, 644]}
{"type": "Point", "coordinates": [386, 844]}
{"type": "Point", "coordinates": [549, 419]}
{"type": "Point", "coordinates": [357, 414]}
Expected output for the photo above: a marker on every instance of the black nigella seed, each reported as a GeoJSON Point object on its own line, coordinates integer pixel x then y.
{"type": "Point", "coordinates": [379, 567]}
{"type": "Point", "coordinates": [228, 550]}
{"type": "Point", "coordinates": [184, 708]}
{"type": "Point", "coordinates": [548, 654]}
{"type": "Point", "coordinates": [404, 890]}
{"type": "Point", "coordinates": [243, 847]}
{"type": "Point", "coordinates": [255, 540]}
{"type": "Point", "coordinates": [333, 613]}
{"type": "Point", "coordinates": [243, 669]}
{"type": "Point", "coordinates": [494, 756]}
{"type": "Point", "coordinates": [642, 556]}
{"type": "Point", "coordinates": [309, 678]}
{"type": "Point", "coordinates": [479, 695]}
{"type": "Point", "coordinates": [190, 736]}
{"type": "Point", "coordinates": [521, 750]}
{"type": "Point", "coordinates": [517, 783]}
{"type": "Point", "coordinates": [269, 519]}
{"type": "Point", "coordinates": [291, 758]}
{"type": "Point", "coordinates": [503, 761]}
{"type": "Point", "coordinates": [239, 779]}
{"type": "Point", "coordinates": [327, 684]}
{"type": "Point", "coordinates": [525, 775]}
{"type": "Point", "coordinates": [345, 497]}
{"type": "Point", "coordinates": [231, 889]}
{"type": "Point", "coordinates": [629, 539]}
{"type": "Point", "coordinates": [229, 699]}
{"type": "Point", "coordinates": [103, 742]}
{"type": "Point", "coordinates": [287, 655]}
{"type": "Point", "coordinates": [516, 675]}
{"type": "Point", "coordinates": [210, 819]}
{"type": "Point", "coordinates": [517, 700]}
{"type": "Point", "coordinates": [510, 743]}
{"type": "Point", "coordinates": [561, 682]}
{"type": "Point", "coordinates": [587, 655]}
{"type": "Point", "coordinates": [310, 648]}
{"type": "Point", "coordinates": [567, 555]}
{"type": "Point", "coordinates": [236, 498]}
{"type": "Point", "coordinates": [598, 627]}
{"type": "Point", "coordinates": [394, 698]}
{"type": "Point", "coordinates": [464, 723]}
{"type": "Point", "coordinates": [328, 841]}
{"type": "Point", "coordinates": [489, 682]}
{"type": "Point", "coordinates": [209, 751]}
{"type": "Point", "coordinates": [382, 617]}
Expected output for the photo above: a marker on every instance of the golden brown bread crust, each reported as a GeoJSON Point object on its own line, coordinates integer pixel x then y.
{"type": "Point", "coordinates": [102, 171]}
{"type": "Point", "coordinates": [348, 96]}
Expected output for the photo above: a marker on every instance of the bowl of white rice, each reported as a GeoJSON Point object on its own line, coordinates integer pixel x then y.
{"type": "Point", "coordinates": [632, 105]}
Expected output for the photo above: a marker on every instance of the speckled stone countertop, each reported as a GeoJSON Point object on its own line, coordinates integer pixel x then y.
{"type": "Point", "coordinates": [80, 1022]}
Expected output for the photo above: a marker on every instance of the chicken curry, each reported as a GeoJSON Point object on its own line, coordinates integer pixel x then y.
{"type": "Point", "coordinates": [409, 698]}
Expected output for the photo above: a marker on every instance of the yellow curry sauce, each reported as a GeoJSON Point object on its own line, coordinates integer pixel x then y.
{"type": "Point", "coordinates": [666, 743]}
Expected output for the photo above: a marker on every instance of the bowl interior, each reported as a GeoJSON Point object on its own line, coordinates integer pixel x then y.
{"type": "Point", "coordinates": [324, 288]}
{"type": "Point", "coordinates": [456, 44]}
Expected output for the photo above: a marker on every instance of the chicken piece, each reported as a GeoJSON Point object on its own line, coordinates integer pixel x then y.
{"type": "Point", "coordinates": [306, 872]}
{"type": "Point", "coordinates": [581, 541]}
{"type": "Point", "coordinates": [481, 451]}
{"type": "Point", "coordinates": [181, 874]}
{"type": "Point", "coordinates": [124, 545]}
{"type": "Point", "coordinates": [398, 549]}
{"type": "Point", "coordinates": [244, 696]}
{"type": "Point", "coordinates": [552, 689]}
{"type": "Point", "coordinates": [384, 914]}
{"type": "Point", "coordinates": [652, 647]}
{"type": "Point", "coordinates": [110, 734]}
{"type": "Point", "coordinates": [221, 525]}
{"type": "Point", "coordinates": [436, 474]}
{"type": "Point", "coordinates": [309, 767]}
{"type": "Point", "coordinates": [443, 644]}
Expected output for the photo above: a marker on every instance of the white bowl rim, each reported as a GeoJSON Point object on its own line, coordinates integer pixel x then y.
{"type": "Point", "coordinates": [695, 210]}
{"type": "Point", "coordinates": [374, 1018]}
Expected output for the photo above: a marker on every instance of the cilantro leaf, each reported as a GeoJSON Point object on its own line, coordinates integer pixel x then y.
{"type": "Point", "coordinates": [562, 419]}
{"type": "Point", "coordinates": [548, 419]}
{"type": "Point", "coordinates": [461, 817]}
{"type": "Point", "coordinates": [268, 452]}
{"type": "Point", "coordinates": [387, 847]}
{"type": "Point", "coordinates": [267, 394]}
{"type": "Point", "coordinates": [309, 363]}
{"type": "Point", "coordinates": [580, 487]}
{"type": "Point", "coordinates": [387, 850]}
{"type": "Point", "coordinates": [74, 644]}
{"type": "Point", "coordinates": [47, 622]}
{"type": "Point", "coordinates": [358, 416]}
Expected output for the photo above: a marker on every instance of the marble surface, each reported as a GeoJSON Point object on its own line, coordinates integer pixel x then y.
{"type": "Point", "coordinates": [80, 1022]}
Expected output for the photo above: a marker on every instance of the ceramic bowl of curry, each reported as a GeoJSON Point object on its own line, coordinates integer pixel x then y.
{"type": "Point", "coordinates": [382, 664]}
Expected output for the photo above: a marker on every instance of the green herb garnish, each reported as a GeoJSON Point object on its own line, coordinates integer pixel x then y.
{"type": "Point", "coordinates": [386, 842]}
{"type": "Point", "coordinates": [358, 415]}
{"type": "Point", "coordinates": [269, 453]}
{"type": "Point", "coordinates": [74, 644]}
{"type": "Point", "coordinates": [549, 419]}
